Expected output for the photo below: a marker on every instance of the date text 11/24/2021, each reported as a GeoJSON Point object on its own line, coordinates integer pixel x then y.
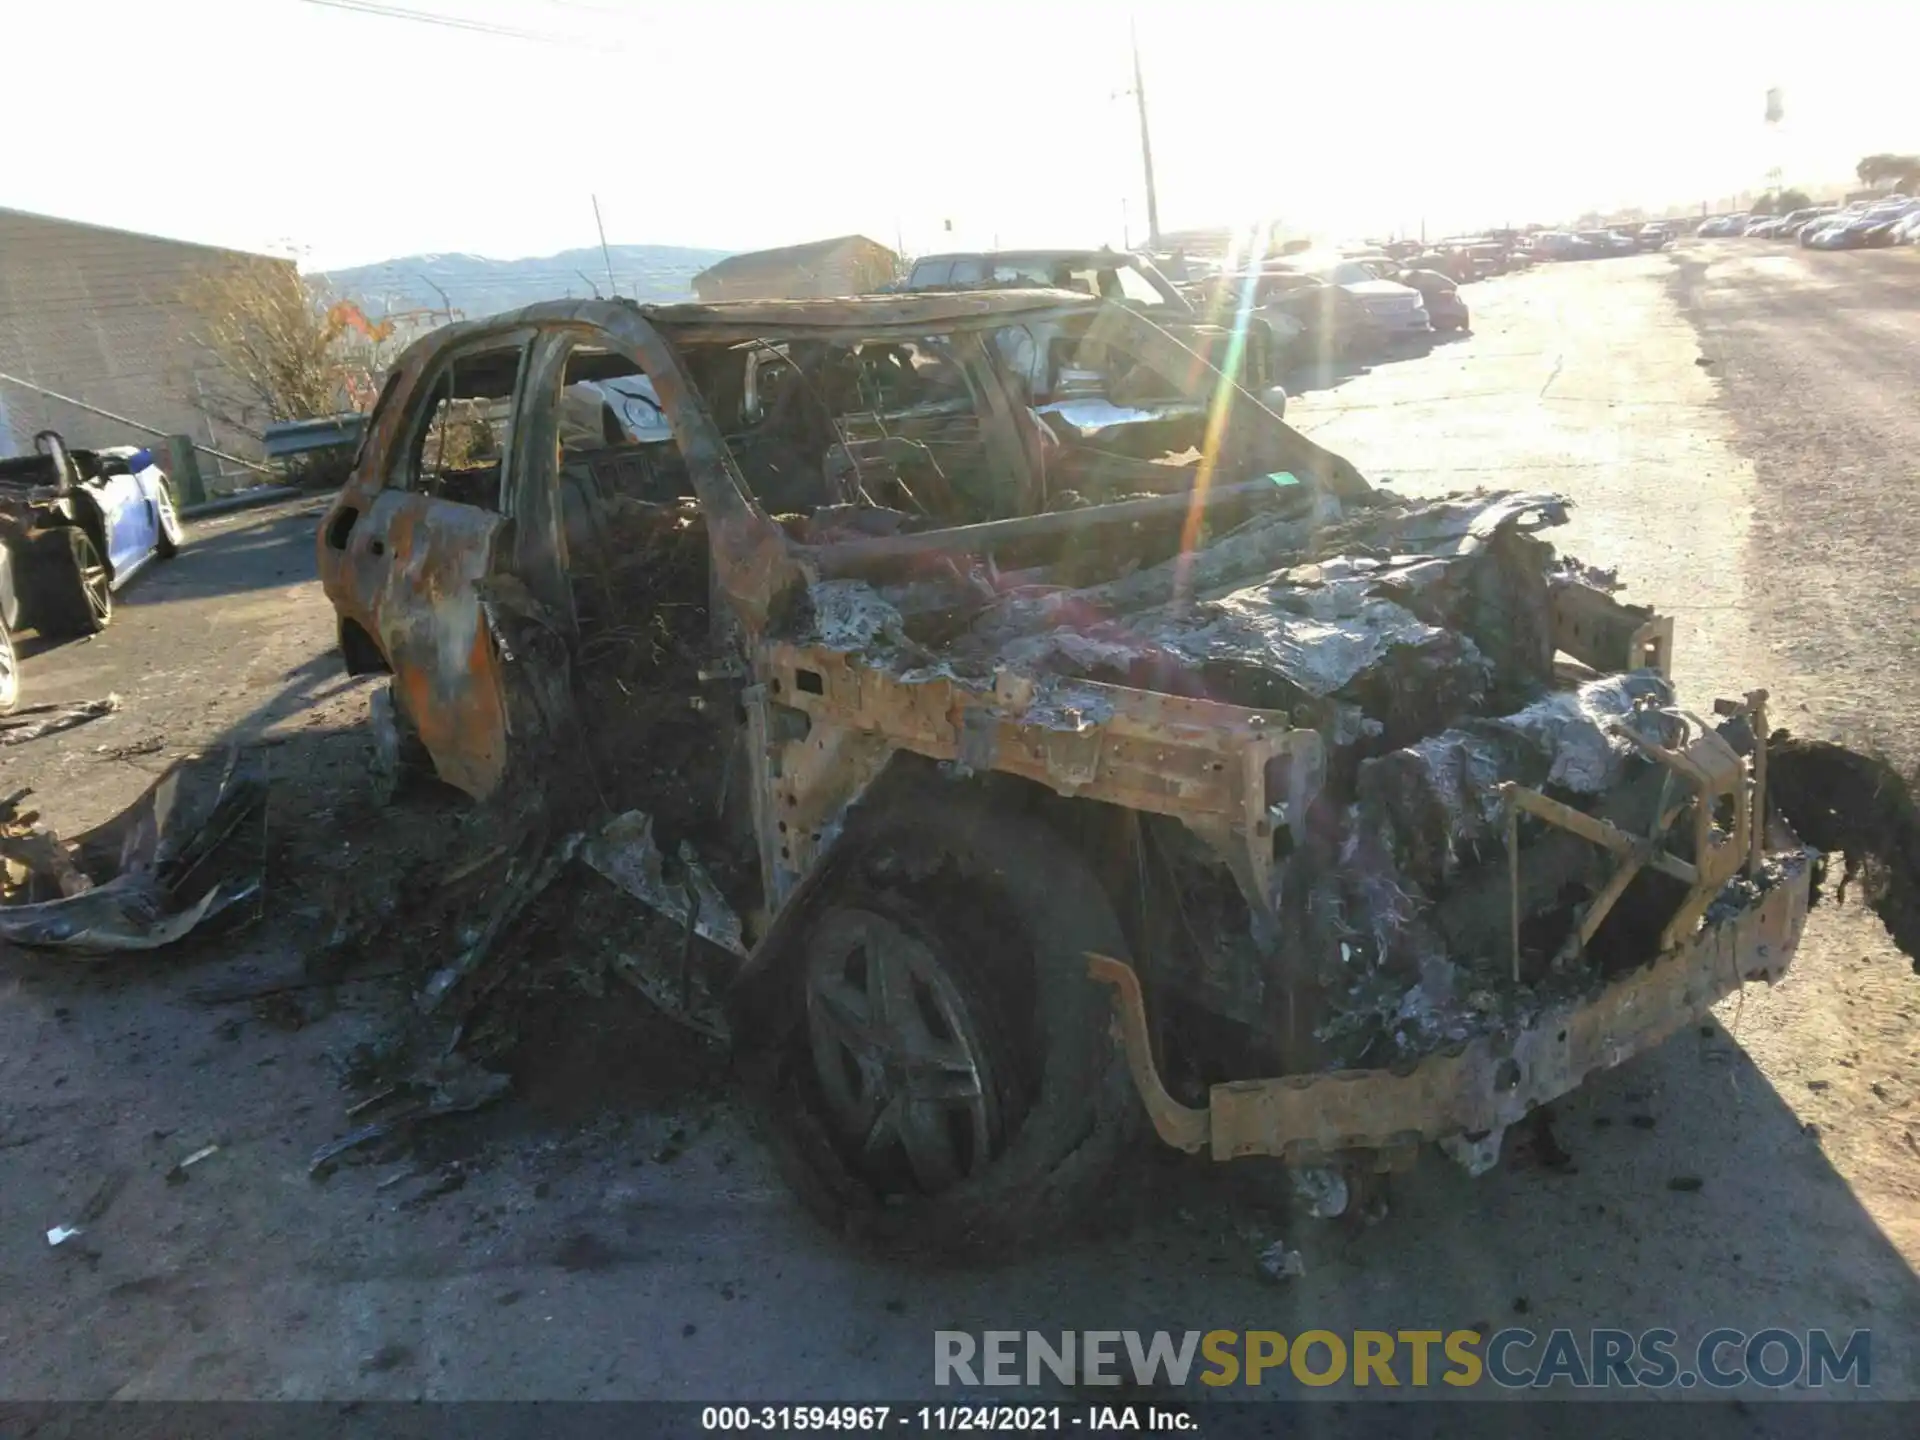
{"type": "Point", "coordinates": [946, 1418]}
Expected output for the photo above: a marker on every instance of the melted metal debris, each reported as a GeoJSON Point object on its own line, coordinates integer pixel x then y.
{"type": "Point", "coordinates": [137, 882]}
{"type": "Point", "coordinates": [33, 721]}
{"type": "Point", "coordinates": [850, 615]}
{"type": "Point", "coordinates": [1319, 626]}
{"type": "Point", "coordinates": [453, 1086]}
{"type": "Point", "coordinates": [626, 853]}
{"type": "Point", "coordinates": [1426, 814]}
{"type": "Point", "coordinates": [1440, 796]}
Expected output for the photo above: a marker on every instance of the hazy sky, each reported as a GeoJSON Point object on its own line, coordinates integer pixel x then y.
{"type": "Point", "coordinates": [353, 136]}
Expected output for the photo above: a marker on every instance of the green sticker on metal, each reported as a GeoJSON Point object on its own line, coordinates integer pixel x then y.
{"type": "Point", "coordinates": [1284, 477]}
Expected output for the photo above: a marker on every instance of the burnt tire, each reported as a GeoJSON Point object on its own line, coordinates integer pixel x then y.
{"type": "Point", "coordinates": [1007, 913]}
{"type": "Point", "coordinates": [75, 589]}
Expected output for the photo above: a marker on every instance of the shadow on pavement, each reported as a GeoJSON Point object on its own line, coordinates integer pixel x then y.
{"type": "Point", "coordinates": [229, 560]}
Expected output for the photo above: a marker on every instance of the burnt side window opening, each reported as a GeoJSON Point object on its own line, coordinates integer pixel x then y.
{"type": "Point", "coordinates": [888, 425]}
{"type": "Point", "coordinates": [461, 429]}
{"type": "Point", "coordinates": [618, 456]}
{"type": "Point", "coordinates": [846, 436]}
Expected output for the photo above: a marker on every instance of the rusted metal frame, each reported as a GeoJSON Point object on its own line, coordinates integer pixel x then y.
{"type": "Point", "coordinates": [1166, 754]}
{"type": "Point", "coordinates": [751, 559]}
{"type": "Point", "coordinates": [1588, 624]}
{"type": "Point", "coordinates": [428, 617]}
{"type": "Point", "coordinates": [1635, 852]}
{"type": "Point", "coordinates": [804, 785]}
{"type": "Point", "coordinates": [1603, 833]}
{"type": "Point", "coordinates": [531, 499]}
{"type": "Point", "coordinates": [1715, 864]}
{"type": "Point", "coordinates": [1651, 647]}
{"type": "Point", "coordinates": [498, 334]}
{"type": "Point", "coordinates": [1181, 1126]}
{"type": "Point", "coordinates": [1753, 709]}
{"type": "Point", "coordinates": [1647, 852]}
{"type": "Point", "coordinates": [1485, 1085]}
{"type": "Point", "coordinates": [1705, 877]}
{"type": "Point", "coordinates": [1513, 879]}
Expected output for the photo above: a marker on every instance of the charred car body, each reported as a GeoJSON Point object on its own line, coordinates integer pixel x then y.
{"type": "Point", "coordinates": [1024, 785]}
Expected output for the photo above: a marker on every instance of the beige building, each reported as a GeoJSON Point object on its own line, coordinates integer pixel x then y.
{"type": "Point", "coordinates": [98, 315]}
{"type": "Point", "coordinates": [845, 265]}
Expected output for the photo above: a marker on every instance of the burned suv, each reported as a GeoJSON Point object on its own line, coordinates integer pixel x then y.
{"type": "Point", "coordinates": [1017, 781]}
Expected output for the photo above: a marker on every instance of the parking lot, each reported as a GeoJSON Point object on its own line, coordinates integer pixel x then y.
{"type": "Point", "coordinates": [1736, 426]}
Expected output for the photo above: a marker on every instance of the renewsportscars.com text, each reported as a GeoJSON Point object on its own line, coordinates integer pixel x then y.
{"type": "Point", "coordinates": [1414, 1359]}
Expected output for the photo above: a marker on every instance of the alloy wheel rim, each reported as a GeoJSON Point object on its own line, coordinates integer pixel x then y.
{"type": "Point", "coordinates": [99, 592]}
{"type": "Point", "coordinates": [896, 1052]}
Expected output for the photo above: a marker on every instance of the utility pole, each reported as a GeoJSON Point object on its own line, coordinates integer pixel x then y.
{"type": "Point", "coordinates": [1146, 141]}
{"type": "Point", "coordinates": [605, 254]}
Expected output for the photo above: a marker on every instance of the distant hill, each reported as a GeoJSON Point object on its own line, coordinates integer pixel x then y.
{"type": "Point", "coordinates": [477, 286]}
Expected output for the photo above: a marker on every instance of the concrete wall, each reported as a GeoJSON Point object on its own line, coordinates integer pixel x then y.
{"type": "Point", "coordinates": [97, 314]}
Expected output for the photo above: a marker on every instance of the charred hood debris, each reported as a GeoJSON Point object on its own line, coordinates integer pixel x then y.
{"type": "Point", "coordinates": [145, 878]}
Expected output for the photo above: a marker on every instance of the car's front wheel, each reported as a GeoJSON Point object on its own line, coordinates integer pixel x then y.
{"type": "Point", "coordinates": [77, 591]}
{"type": "Point", "coordinates": [171, 533]}
{"type": "Point", "coordinates": [9, 669]}
{"type": "Point", "coordinates": [949, 1083]}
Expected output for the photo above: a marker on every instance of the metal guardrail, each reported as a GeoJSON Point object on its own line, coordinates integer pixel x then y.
{"type": "Point", "coordinates": [305, 437]}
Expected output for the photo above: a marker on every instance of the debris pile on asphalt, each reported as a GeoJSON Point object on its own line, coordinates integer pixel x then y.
{"type": "Point", "coordinates": [31, 722]}
{"type": "Point", "coordinates": [142, 880]}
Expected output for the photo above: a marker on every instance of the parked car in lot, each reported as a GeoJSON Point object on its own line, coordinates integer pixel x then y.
{"type": "Point", "coordinates": [1788, 226]}
{"type": "Point", "coordinates": [1653, 236]}
{"type": "Point", "coordinates": [1884, 232]}
{"type": "Point", "coordinates": [75, 526]}
{"type": "Point", "coordinates": [1456, 263]}
{"type": "Point", "coordinates": [1400, 309]}
{"type": "Point", "coordinates": [1855, 230]}
{"type": "Point", "coordinates": [1121, 276]}
{"type": "Point", "coordinates": [1311, 321]}
{"type": "Point", "coordinates": [1560, 245]}
{"type": "Point", "coordinates": [1608, 242]}
{"type": "Point", "coordinates": [1813, 234]}
{"type": "Point", "coordinates": [1719, 225]}
{"type": "Point", "coordinates": [1441, 296]}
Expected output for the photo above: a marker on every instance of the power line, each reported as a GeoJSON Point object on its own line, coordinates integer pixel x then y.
{"type": "Point", "coordinates": [451, 22]}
